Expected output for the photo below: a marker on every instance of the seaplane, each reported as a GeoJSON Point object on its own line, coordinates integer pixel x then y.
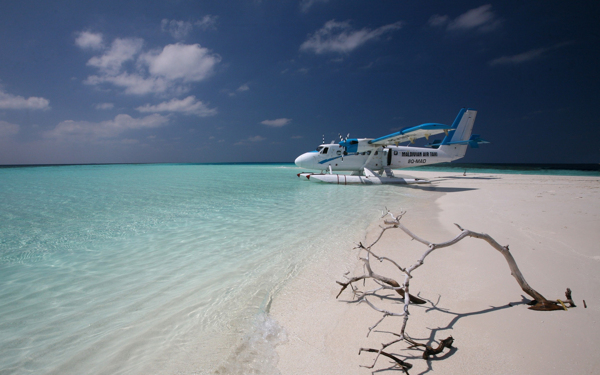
{"type": "Point", "coordinates": [371, 160]}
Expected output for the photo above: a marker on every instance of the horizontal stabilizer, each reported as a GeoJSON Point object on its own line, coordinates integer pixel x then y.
{"type": "Point", "coordinates": [474, 141]}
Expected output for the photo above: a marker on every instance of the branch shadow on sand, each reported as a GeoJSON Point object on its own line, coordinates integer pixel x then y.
{"type": "Point", "coordinates": [459, 177]}
{"type": "Point", "coordinates": [441, 189]}
{"type": "Point", "coordinates": [457, 316]}
{"type": "Point", "coordinates": [410, 354]}
{"type": "Point", "coordinates": [442, 178]}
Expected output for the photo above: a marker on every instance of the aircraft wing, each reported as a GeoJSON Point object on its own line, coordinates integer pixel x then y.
{"type": "Point", "coordinates": [412, 133]}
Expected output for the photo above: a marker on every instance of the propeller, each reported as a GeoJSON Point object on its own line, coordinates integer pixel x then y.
{"type": "Point", "coordinates": [343, 140]}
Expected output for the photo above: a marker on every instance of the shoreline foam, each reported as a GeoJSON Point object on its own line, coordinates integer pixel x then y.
{"type": "Point", "coordinates": [551, 225]}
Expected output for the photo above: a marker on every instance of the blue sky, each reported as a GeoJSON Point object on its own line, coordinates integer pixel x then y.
{"type": "Point", "coordinates": [263, 81]}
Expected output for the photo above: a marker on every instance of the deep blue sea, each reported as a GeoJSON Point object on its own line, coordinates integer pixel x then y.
{"type": "Point", "coordinates": [165, 268]}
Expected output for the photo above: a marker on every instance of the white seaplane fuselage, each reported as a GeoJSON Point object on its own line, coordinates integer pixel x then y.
{"type": "Point", "coordinates": [371, 161]}
{"type": "Point", "coordinates": [378, 159]}
{"type": "Point", "coordinates": [369, 167]}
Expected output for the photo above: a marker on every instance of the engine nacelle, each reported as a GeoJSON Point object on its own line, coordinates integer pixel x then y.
{"type": "Point", "coordinates": [354, 145]}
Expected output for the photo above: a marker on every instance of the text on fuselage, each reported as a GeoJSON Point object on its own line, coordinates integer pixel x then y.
{"type": "Point", "coordinates": [418, 153]}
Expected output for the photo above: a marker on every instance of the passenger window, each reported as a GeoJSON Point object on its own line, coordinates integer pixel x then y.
{"type": "Point", "coordinates": [362, 153]}
{"type": "Point", "coordinates": [395, 152]}
{"type": "Point", "coordinates": [368, 152]}
{"type": "Point", "coordinates": [339, 152]}
{"type": "Point", "coordinates": [376, 152]}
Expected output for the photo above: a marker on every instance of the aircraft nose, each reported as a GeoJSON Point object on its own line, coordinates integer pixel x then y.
{"type": "Point", "coordinates": [303, 161]}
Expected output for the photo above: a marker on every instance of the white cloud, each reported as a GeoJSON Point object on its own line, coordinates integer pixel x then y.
{"type": "Point", "coordinates": [520, 58]}
{"type": "Point", "coordinates": [254, 139]}
{"type": "Point", "coordinates": [189, 106]}
{"type": "Point", "coordinates": [341, 38]}
{"type": "Point", "coordinates": [481, 19]}
{"type": "Point", "coordinates": [8, 101]}
{"type": "Point", "coordinates": [89, 131]}
{"type": "Point", "coordinates": [187, 62]}
{"type": "Point", "coordinates": [105, 106]}
{"type": "Point", "coordinates": [121, 50]}
{"type": "Point", "coordinates": [89, 40]}
{"type": "Point", "coordinates": [277, 123]}
{"type": "Point", "coordinates": [437, 20]}
{"type": "Point", "coordinates": [306, 4]}
{"type": "Point", "coordinates": [134, 83]}
{"type": "Point", "coordinates": [166, 70]}
{"type": "Point", "coordinates": [177, 29]}
{"type": "Point", "coordinates": [243, 88]}
{"type": "Point", "coordinates": [181, 29]}
{"type": "Point", "coordinates": [526, 56]}
{"type": "Point", "coordinates": [7, 129]}
{"type": "Point", "coordinates": [207, 22]}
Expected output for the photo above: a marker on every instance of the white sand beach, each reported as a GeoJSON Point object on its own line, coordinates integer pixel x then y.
{"type": "Point", "coordinates": [552, 224]}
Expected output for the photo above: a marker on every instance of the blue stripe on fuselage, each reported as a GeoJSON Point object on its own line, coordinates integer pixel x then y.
{"type": "Point", "coordinates": [328, 160]}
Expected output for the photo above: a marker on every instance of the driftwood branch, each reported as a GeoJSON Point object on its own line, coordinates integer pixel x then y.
{"type": "Point", "coordinates": [372, 275]}
{"type": "Point", "coordinates": [539, 302]}
{"type": "Point", "coordinates": [429, 350]}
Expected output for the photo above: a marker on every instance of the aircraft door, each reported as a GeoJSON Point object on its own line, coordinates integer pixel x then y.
{"type": "Point", "coordinates": [388, 154]}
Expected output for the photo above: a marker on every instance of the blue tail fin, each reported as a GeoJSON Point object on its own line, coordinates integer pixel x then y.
{"type": "Point", "coordinates": [447, 138]}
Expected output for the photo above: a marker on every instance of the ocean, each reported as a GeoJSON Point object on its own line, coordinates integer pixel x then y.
{"type": "Point", "coordinates": [163, 268]}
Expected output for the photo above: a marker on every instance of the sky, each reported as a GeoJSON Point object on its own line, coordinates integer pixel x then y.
{"type": "Point", "coordinates": [265, 81]}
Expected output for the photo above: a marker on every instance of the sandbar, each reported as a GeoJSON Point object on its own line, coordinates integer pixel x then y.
{"type": "Point", "coordinates": [552, 225]}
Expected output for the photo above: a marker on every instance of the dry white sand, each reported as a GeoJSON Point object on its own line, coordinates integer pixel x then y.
{"type": "Point", "coordinates": [552, 225]}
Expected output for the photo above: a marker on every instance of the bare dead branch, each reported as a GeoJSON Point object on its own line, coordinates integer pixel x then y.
{"type": "Point", "coordinates": [387, 283]}
{"type": "Point", "coordinates": [429, 351]}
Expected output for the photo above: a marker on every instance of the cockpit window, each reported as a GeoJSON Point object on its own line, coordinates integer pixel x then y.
{"type": "Point", "coordinates": [325, 150]}
{"type": "Point", "coordinates": [319, 148]}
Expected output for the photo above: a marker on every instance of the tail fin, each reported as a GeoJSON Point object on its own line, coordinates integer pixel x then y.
{"type": "Point", "coordinates": [455, 144]}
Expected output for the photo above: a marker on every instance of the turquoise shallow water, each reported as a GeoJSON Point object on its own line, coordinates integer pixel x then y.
{"type": "Point", "coordinates": [119, 269]}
